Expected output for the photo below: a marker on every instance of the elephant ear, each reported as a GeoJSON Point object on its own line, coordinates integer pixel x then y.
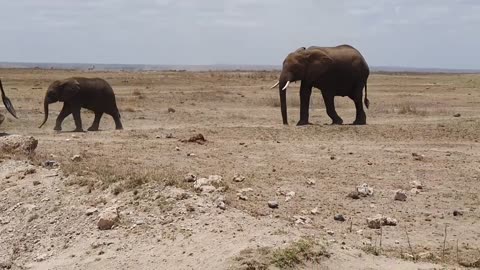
{"type": "Point", "coordinates": [319, 61]}
{"type": "Point", "coordinates": [70, 88]}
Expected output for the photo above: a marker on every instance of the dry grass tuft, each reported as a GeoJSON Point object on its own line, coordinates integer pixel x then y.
{"type": "Point", "coordinates": [296, 254]}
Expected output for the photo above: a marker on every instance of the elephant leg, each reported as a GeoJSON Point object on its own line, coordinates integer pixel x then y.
{"type": "Point", "coordinates": [116, 117]}
{"type": "Point", "coordinates": [361, 117]}
{"type": "Point", "coordinates": [78, 120]}
{"type": "Point", "coordinates": [330, 106]}
{"type": "Point", "coordinates": [305, 94]}
{"type": "Point", "coordinates": [96, 122]}
{"type": "Point", "coordinates": [66, 111]}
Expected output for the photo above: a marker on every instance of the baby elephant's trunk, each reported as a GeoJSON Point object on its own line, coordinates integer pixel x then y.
{"type": "Point", "coordinates": [45, 108]}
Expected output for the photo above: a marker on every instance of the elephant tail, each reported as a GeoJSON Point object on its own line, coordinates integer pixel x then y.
{"type": "Point", "coordinates": [367, 102]}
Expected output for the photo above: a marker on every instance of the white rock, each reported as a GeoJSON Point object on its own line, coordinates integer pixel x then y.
{"type": "Point", "coordinates": [289, 196]}
{"type": "Point", "coordinates": [414, 191]}
{"type": "Point", "coordinates": [212, 179]}
{"type": "Point", "coordinates": [311, 182]}
{"type": "Point", "coordinates": [76, 158]}
{"type": "Point", "coordinates": [400, 195]}
{"type": "Point", "coordinates": [91, 211]}
{"type": "Point", "coordinates": [364, 190]}
{"type": "Point", "coordinates": [314, 211]}
{"type": "Point", "coordinates": [416, 184]}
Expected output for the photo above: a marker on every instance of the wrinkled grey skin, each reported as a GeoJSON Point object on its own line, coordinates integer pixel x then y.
{"type": "Point", "coordinates": [91, 93]}
{"type": "Point", "coordinates": [2, 118]}
{"type": "Point", "coordinates": [336, 71]}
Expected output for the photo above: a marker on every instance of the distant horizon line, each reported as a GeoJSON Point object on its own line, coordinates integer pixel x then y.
{"type": "Point", "coordinates": [206, 67]}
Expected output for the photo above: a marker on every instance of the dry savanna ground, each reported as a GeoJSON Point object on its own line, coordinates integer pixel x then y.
{"type": "Point", "coordinates": [48, 217]}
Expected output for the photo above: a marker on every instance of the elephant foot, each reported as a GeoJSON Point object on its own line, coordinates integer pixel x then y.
{"type": "Point", "coordinates": [337, 122]}
{"type": "Point", "coordinates": [92, 128]}
{"type": "Point", "coordinates": [78, 130]}
{"type": "Point", "coordinates": [119, 128]}
{"type": "Point", "coordinates": [360, 122]}
{"type": "Point", "coordinates": [57, 128]}
{"type": "Point", "coordinates": [303, 123]}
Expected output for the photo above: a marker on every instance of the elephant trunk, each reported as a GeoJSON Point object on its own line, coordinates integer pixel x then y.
{"type": "Point", "coordinates": [283, 101]}
{"type": "Point", "coordinates": [45, 108]}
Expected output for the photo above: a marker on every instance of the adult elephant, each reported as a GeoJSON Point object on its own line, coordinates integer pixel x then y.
{"type": "Point", "coordinates": [91, 93]}
{"type": "Point", "coordinates": [336, 71]}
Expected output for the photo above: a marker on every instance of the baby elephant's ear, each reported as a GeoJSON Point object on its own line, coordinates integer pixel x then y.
{"type": "Point", "coordinates": [70, 88]}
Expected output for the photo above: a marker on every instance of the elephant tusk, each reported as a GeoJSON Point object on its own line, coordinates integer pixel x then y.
{"type": "Point", "coordinates": [286, 86]}
{"type": "Point", "coordinates": [275, 85]}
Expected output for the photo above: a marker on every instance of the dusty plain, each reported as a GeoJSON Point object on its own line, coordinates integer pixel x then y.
{"type": "Point", "coordinates": [48, 217]}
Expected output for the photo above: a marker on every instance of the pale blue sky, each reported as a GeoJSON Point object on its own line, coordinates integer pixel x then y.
{"type": "Point", "coordinates": [409, 33]}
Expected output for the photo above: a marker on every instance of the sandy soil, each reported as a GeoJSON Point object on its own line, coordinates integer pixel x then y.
{"type": "Point", "coordinates": [412, 135]}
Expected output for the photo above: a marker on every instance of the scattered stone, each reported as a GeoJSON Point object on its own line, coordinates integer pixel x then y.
{"type": "Point", "coordinates": [390, 221]}
{"type": "Point", "coordinates": [330, 233]}
{"type": "Point", "coordinates": [397, 242]}
{"type": "Point", "coordinates": [18, 144]}
{"type": "Point", "coordinates": [415, 191]}
{"type": "Point", "coordinates": [302, 220]}
{"type": "Point", "coordinates": [364, 190]}
{"type": "Point", "coordinates": [32, 217]}
{"type": "Point", "coordinates": [400, 195]}
{"type": "Point", "coordinates": [36, 182]}
{"type": "Point", "coordinates": [238, 178]}
{"type": "Point", "coordinates": [457, 213]}
{"type": "Point", "coordinates": [332, 157]}
{"type": "Point", "coordinates": [139, 222]}
{"type": "Point", "coordinates": [339, 217]}
{"type": "Point", "coordinates": [243, 197]}
{"type": "Point", "coordinates": [211, 180]}
{"type": "Point", "coordinates": [457, 115]}
{"type": "Point", "coordinates": [169, 136]}
{"type": "Point", "coordinates": [379, 221]}
{"type": "Point", "coordinates": [108, 218]}
{"type": "Point", "coordinates": [199, 138]}
{"type": "Point", "coordinates": [76, 158]}
{"type": "Point", "coordinates": [416, 184]}
{"type": "Point", "coordinates": [314, 211]}
{"type": "Point", "coordinates": [41, 257]}
{"type": "Point", "coordinates": [427, 256]}
{"type": "Point", "coordinates": [354, 195]}
{"type": "Point", "coordinates": [289, 196]}
{"type": "Point", "coordinates": [207, 189]}
{"type": "Point", "coordinates": [190, 178]}
{"type": "Point", "coordinates": [220, 202]}
{"type": "Point", "coordinates": [30, 171]}
{"type": "Point", "coordinates": [191, 155]}
{"type": "Point", "coordinates": [91, 211]}
{"type": "Point", "coordinates": [177, 148]}
{"type": "Point", "coordinates": [418, 157]}
{"type": "Point", "coordinates": [273, 204]}
{"type": "Point", "coordinates": [222, 206]}
{"type": "Point", "coordinates": [171, 110]}
{"type": "Point", "coordinates": [311, 182]}
{"type": "Point", "coordinates": [50, 164]}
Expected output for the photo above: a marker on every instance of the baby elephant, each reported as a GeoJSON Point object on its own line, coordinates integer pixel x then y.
{"type": "Point", "coordinates": [91, 93]}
